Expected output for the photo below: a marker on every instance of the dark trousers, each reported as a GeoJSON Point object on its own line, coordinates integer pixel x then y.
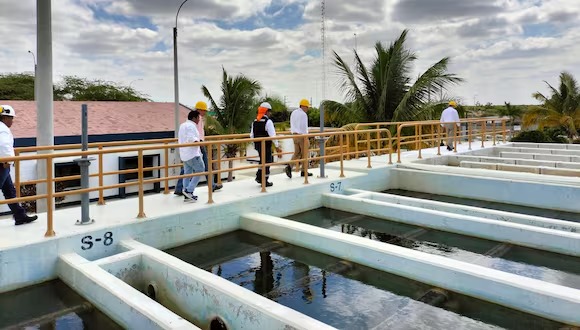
{"type": "Point", "coordinates": [269, 159]}
{"type": "Point", "coordinates": [179, 185]}
{"type": "Point", "coordinates": [10, 192]}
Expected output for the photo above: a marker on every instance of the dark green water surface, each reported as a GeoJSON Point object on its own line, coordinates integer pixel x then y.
{"type": "Point", "coordinates": [342, 294]}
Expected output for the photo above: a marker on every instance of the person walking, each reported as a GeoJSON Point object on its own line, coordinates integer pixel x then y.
{"type": "Point", "coordinates": [299, 126]}
{"type": "Point", "coordinates": [201, 107]}
{"type": "Point", "coordinates": [7, 115]}
{"type": "Point", "coordinates": [263, 126]}
{"type": "Point", "coordinates": [450, 118]}
{"type": "Point", "coordinates": [190, 156]}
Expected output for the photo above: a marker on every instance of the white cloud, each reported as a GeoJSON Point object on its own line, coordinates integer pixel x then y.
{"type": "Point", "coordinates": [504, 48]}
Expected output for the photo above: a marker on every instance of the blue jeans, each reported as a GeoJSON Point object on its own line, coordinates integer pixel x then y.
{"type": "Point", "coordinates": [194, 165]}
{"type": "Point", "coordinates": [179, 184]}
{"type": "Point", "coordinates": [9, 191]}
{"type": "Point", "coordinates": [205, 162]}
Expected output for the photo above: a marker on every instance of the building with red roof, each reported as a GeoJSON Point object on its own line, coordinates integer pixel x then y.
{"type": "Point", "coordinates": [108, 121]}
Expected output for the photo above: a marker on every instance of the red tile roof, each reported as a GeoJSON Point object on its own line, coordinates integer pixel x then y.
{"type": "Point", "coordinates": [104, 117]}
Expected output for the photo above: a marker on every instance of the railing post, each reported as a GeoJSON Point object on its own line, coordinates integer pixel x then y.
{"type": "Point", "coordinates": [369, 149]}
{"type": "Point", "coordinates": [141, 192]}
{"type": "Point", "coordinates": [263, 162]}
{"type": "Point", "coordinates": [454, 137]}
{"type": "Point", "coordinates": [469, 134]}
{"type": "Point", "coordinates": [390, 146]}
{"type": "Point", "coordinates": [166, 168]}
{"type": "Point", "coordinates": [219, 163]}
{"type": "Point", "coordinates": [49, 212]}
{"type": "Point", "coordinates": [17, 173]}
{"type": "Point", "coordinates": [493, 131]}
{"type": "Point", "coordinates": [483, 129]}
{"type": "Point", "coordinates": [433, 135]}
{"type": "Point", "coordinates": [210, 174]}
{"type": "Point", "coordinates": [305, 161]}
{"type": "Point", "coordinates": [438, 140]}
{"type": "Point", "coordinates": [340, 142]}
{"type": "Point", "coordinates": [101, 180]}
{"type": "Point", "coordinates": [419, 144]}
{"type": "Point", "coordinates": [356, 155]}
{"type": "Point", "coordinates": [503, 133]}
{"type": "Point", "coordinates": [348, 146]}
{"type": "Point", "coordinates": [399, 143]}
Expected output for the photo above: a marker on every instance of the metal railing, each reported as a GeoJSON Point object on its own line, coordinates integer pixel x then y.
{"type": "Point", "coordinates": [368, 142]}
{"type": "Point", "coordinates": [335, 152]}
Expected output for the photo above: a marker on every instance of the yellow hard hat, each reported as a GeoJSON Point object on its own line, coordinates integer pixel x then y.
{"type": "Point", "coordinates": [201, 106]}
{"type": "Point", "coordinates": [304, 103]}
{"type": "Point", "coordinates": [452, 104]}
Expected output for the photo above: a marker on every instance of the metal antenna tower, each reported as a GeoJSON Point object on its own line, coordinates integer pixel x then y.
{"type": "Point", "coordinates": [323, 40]}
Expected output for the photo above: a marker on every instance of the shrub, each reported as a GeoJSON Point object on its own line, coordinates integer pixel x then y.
{"type": "Point", "coordinates": [532, 136]}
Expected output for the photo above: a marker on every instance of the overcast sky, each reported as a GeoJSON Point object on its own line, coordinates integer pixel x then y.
{"type": "Point", "coordinates": [504, 49]}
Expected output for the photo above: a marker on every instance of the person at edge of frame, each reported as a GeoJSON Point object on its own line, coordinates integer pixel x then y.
{"type": "Point", "coordinates": [7, 115]}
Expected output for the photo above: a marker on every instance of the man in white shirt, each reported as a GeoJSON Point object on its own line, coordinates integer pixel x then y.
{"type": "Point", "coordinates": [201, 107]}
{"type": "Point", "coordinates": [263, 126]}
{"type": "Point", "coordinates": [450, 118]}
{"type": "Point", "coordinates": [190, 156]}
{"type": "Point", "coordinates": [7, 115]}
{"type": "Point", "coordinates": [299, 126]}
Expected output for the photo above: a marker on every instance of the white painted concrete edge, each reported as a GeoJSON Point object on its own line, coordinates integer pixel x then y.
{"type": "Point", "coordinates": [287, 317]}
{"type": "Point", "coordinates": [514, 176]}
{"type": "Point", "coordinates": [533, 296]}
{"type": "Point", "coordinates": [513, 233]}
{"type": "Point", "coordinates": [523, 219]}
{"type": "Point", "coordinates": [127, 306]}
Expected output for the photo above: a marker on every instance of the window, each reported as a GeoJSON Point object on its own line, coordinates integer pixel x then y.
{"type": "Point", "coordinates": [68, 169]}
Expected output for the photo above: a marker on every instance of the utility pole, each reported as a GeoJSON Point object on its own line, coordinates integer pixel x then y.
{"type": "Point", "coordinates": [176, 73]}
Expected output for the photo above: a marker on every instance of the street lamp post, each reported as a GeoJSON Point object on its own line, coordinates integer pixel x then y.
{"type": "Point", "coordinates": [176, 72]}
{"type": "Point", "coordinates": [34, 60]}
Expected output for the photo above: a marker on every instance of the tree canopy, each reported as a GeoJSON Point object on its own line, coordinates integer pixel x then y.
{"type": "Point", "coordinates": [561, 109]}
{"type": "Point", "coordinates": [20, 86]}
{"type": "Point", "coordinates": [385, 91]}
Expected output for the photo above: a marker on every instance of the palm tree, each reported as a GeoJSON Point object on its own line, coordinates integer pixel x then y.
{"type": "Point", "coordinates": [512, 112]}
{"type": "Point", "coordinates": [386, 91]}
{"type": "Point", "coordinates": [560, 110]}
{"type": "Point", "coordinates": [235, 111]}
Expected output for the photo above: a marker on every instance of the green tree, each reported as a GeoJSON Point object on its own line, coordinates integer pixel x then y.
{"type": "Point", "coordinates": [511, 111]}
{"type": "Point", "coordinates": [20, 86]}
{"type": "Point", "coordinates": [279, 110]}
{"type": "Point", "coordinates": [385, 91]}
{"type": "Point", "coordinates": [235, 109]}
{"type": "Point", "coordinates": [561, 109]}
{"type": "Point", "coordinates": [17, 86]}
{"type": "Point", "coordinates": [82, 89]}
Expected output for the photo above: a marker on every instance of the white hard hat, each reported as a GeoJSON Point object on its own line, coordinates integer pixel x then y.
{"type": "Point", "coordinates": [6, 110]}
{"type": "Point", "coordinates": [266, 105]}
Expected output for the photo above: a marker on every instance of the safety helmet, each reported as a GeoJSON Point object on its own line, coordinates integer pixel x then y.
{"type": "Point", "coordinates": [6, 110]}
{"type": "Point", "coordinates": [266, 105]}
{"type": "Point", "coordinates": [304, 103]}
{"type": "Point", "coordinates": [452, 104]}
{"type": "Point", "coordinates": [201, 106]}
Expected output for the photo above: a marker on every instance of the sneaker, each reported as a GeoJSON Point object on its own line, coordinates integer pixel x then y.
{"type": "Point", "coordinates": [190, 200]}
{"type": "Point", "coordinates": [269, 184]}
{"type": "Point", "coordinates": [178, 193]}
{"type": "Point", "coordinates": [25, 219]}
{"type": "Point", "coordinates": [217, 187]}
{"type": "Point", "coordinates": [187, 194]}
{"type": "Point", "coordinates": [302, 174]}
{"type": "Point", "coordinates": [288, 171]}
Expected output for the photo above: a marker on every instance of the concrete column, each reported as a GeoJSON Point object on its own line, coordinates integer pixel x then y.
{"type": "Point", "coordinates": [44, 104]}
